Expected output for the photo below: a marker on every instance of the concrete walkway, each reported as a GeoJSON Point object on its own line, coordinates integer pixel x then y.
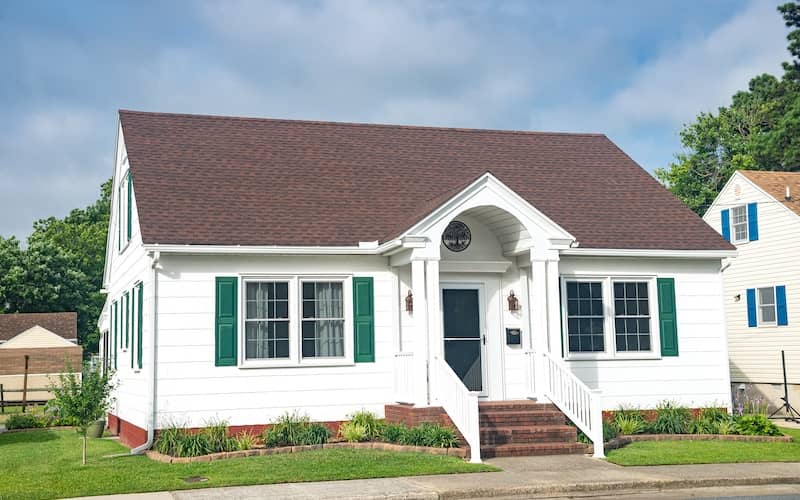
{"type": "Point", "coordinates": [523, 477]}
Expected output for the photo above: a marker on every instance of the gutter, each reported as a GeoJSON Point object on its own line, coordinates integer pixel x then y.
{"type": "Point", "coordinates": [658, 253]}
{"type": "Point", "coordinates": [151, 428]}
{"type": "Point", "coordinates": [363, 248]}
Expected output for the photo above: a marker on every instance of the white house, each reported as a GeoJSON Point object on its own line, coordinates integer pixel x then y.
{"type": "Point", "coordinates": [759, 212]}
{"type": "Point", "coordinates": [258, 266]}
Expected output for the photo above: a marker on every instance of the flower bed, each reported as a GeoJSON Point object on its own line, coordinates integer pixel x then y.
{"type": "Point", "coordinates": [262, 451]}
{"type": "Point", "coordinates": [293, 432]}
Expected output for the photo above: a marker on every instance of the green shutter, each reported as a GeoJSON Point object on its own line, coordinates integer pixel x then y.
{"type": "Point", "coordinates": [667, 317]}
{"type": "Point", "coordinates": [225, 324]}
{"type": "Point", "coordinates": [363, 320]}
{"type": "Point", "coordinates": [132, 318]}
{"type": "Point", "coordinates": [127, 318]}
{"type": "Point", "coordinates": [139, 322]}
{"type": "Point", "coordinates": [130, 205]}
{"type": "Point", "coordinates": [115, 326]}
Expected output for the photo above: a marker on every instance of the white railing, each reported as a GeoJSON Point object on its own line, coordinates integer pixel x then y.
{"type": "Point", "coordinates": [575, 399]}
{"type": "Point", "coordinates": [460, 404]}
{"type": "Point", "coordinates": [403, 377]}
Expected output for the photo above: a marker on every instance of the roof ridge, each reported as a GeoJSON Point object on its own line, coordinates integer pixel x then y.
{"type": "Point", "coordinates": [363, 124]}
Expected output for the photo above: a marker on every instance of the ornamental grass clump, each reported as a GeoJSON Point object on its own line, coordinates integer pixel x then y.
{"type": "Point", "coordinates": [295, 429]}
{"type": "Point", "coordinates": [373, 426]}
{"type": "Point", "coordinates": [353, 432]}
{"type": "Point", "coordinates": [672, 418]}
{"type": "Point", "coordinates": [710, 420]}
{"type": "Point", "coordinates": [629, 421]}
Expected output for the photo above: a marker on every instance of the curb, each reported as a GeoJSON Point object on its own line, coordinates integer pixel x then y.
{"type": "Point", "coordinates": [667, 484]}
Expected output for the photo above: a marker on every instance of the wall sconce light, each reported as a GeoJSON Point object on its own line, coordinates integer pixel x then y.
{"type": "Point", "coordinates": [737, 297]}
{"type": "Point", "coordinates": [409, 302]}
{"type": "Point", "coordinates": [513, 303]}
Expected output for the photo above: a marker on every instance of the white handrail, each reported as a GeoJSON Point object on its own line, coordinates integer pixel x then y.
{"type": "Point", "coordinates": [575, 399]}
{"type": "Point", "coordinates": [403, 377]}
{"type": "Point", "coordinates": [460, 404]}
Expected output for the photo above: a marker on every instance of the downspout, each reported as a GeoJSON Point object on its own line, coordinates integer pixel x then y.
{"type": "Point", "coordinates": [151, 428]}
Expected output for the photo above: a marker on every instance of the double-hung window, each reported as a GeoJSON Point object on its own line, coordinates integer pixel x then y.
{"type": "Point", "coordinates": [323, 319]}
{"type": "Point", "coordinates": [767, 311]}
{"type": "Point", "coordinates": [609, 317]}
{"type": "Point", "coordinates": [632, 316]}
{"type": "Point", "coordinates": [585, 322]}
{"type": "Point", "coordinates": [266, 320]}
{"type": "Point", "coordinates": [739, 223]}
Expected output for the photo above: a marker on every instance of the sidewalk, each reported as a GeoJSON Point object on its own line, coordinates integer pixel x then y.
{"type": "Point", "coordinates": [523, 477]}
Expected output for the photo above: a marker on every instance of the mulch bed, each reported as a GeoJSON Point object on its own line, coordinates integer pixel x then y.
{"type": "Point", "coordinates": [455, 452]}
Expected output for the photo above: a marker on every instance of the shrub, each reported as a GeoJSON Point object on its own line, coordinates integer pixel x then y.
{"type": "Point", "coordinates": [24, 421]}
{"type": "Point", "coordinates": [353, 432]}
{"type": "Point", "coordinates": [243, 441]}
{"type": "Point", "coordinates": [393, 433]}
{"type": "Point", "coordinates": [216, 436]}
{"type": "Point", "coordinates": [726, 427]}
{"type": "Point", "coordinates": [432, 435]}
{"type": "Point", "coordinates": [672, 419]}
{"type": "Point", "coordinates": [372, 425]}
{"type": "Point", "coordinates": [755, 425]}
{"type": "Point", "coordinates": [628, 424]}
{"type": "Point", "coordinates": [293, 429]}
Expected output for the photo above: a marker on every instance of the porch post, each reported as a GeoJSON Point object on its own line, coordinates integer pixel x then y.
{"type": "Point", "coordinates": [538, 317]}
{"type": "Point", "coordinates": [421, 333]}
{"type": "Point", "coordinates": [554, 304]}
{"type": "Point", "coordinates": [434, 314]}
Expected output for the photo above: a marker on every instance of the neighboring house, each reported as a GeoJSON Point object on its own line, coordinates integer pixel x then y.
{"type": "Point", "coordinates": [259, 266]}
{"type": "Point", "coordinates": [759, 212]}
{"type": "Point", "coordinates": [49, 340]}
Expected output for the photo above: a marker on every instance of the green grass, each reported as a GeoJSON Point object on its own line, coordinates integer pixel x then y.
{"type": "Point", "coordinates": [707, 452]}
{"type": "Point", "coordinates": [46, 464]}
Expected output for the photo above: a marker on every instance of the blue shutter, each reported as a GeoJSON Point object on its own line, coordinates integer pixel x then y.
{"type": "Point", "coordinates": [780, 301]}
{"type": "Point", "coordinates": [751, 307]}
{"type": "Point", "coordinates": [726, 224]}
{"type": "Point", "coordinates": [752, 221]}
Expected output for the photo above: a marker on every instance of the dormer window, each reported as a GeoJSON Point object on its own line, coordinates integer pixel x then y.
{"type": "Point", "coordinates": [739, 223]}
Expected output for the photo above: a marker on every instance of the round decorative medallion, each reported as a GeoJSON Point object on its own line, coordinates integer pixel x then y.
{"type": "Point", "coordinates": [456, 236]}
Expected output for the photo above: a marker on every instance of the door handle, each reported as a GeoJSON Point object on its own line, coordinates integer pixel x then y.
{"type": "Point", "coordinates": [483, 338]}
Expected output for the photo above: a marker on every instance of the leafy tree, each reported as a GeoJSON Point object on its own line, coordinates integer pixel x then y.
{"type": "Point", "coordinates": [83, 399]}
{"type": "Point", "coordinates": [759, 130]}
{"type": "Point", "coordinates": [61, 269]}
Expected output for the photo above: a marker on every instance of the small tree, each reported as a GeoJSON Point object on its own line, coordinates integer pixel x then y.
{"type": "Point", "coordinates": [84, 399]}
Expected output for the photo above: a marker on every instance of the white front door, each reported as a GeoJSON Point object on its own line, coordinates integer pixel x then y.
{"type": "Point", "coordinates": [464, 334]}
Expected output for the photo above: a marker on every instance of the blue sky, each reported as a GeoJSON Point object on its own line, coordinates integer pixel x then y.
{"type": "Point", "coordinates": [633, 70]}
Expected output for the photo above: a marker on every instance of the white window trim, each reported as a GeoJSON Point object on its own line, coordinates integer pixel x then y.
{"type": "Point", "coordinates": [759, 322]}
{"type": "Point", "coordinates": [746, 225]}
{"type": "Point", "coordinates": [295, 322]}
{"type": "Point", "coordinates": [610, 352]}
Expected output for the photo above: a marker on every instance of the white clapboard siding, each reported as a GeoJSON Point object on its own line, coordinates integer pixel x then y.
{"type": "Point", "coordinates": [698, 376]}
{"type": "Point", "coordinates": [774, 259]}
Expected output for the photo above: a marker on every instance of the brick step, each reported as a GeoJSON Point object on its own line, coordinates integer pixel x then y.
{"type": "Point", "coordinates": [524, 404]}
{"type": "Point", "coordinates": [529, 434]}
{"type": "Point", "coordinates": [511, 418]}
{"type": "Point", "coordinates": [532, 449]}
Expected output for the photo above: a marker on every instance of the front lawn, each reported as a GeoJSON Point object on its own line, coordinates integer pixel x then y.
{"type": "Point", "coordinates": [706, 452]}
{"type": "Point", "coordinates": [46, 464]}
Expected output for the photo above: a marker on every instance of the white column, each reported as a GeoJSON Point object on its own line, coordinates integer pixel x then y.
{"type": "Point", "coordinates": [434, 313]}
{"type": "Point", "coordinates": [537, 291]}
{"type": "Point", "coordinates": [553, 304]}
{"type": "Point", "coordinates": [420, 333]}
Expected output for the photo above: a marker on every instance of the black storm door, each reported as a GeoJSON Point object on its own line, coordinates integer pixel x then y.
{"type": "Point", "coordinates": [462, 335]}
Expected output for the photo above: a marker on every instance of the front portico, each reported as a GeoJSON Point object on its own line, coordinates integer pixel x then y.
{"type": "Point", "coordinates": [458, 318]}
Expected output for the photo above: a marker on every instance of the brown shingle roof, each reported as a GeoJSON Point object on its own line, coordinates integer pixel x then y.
{"type": "Point", "coordinates": [774, 183]}
{"type": "Point", "coordinates": [247, 181]}
{"type": "Point", "coordinates": [64, 324]}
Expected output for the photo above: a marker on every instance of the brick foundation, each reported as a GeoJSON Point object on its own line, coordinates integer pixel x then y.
{"type": "Point", "coordinates": [130, 435]}
{"type": "Point", "coordinates": [412, 416]}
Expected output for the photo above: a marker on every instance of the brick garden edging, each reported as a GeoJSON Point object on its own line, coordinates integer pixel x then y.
{"type": "Point", "coordinates": [620, 441]}
{"type": "Point", "coordinates": [158, 457]}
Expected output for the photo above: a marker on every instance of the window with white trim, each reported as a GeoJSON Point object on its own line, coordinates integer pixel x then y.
{"type": "Point", "coordinates": [739, 223]}
{"type": "Point", "coordinates": [322, 319]}
{"type": "Point", "coordinates": [291, 320]}
{"type": "Point", "coordinates": [266, 321]}
{"type": "Point", "coordinates": [767, 312]}
{"type": "Point", "coordinates": [632, 316]}
{"type": "Point", "coordinates": [585, 322]}
{"type": "Point", "coordinates": [607, 317]}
